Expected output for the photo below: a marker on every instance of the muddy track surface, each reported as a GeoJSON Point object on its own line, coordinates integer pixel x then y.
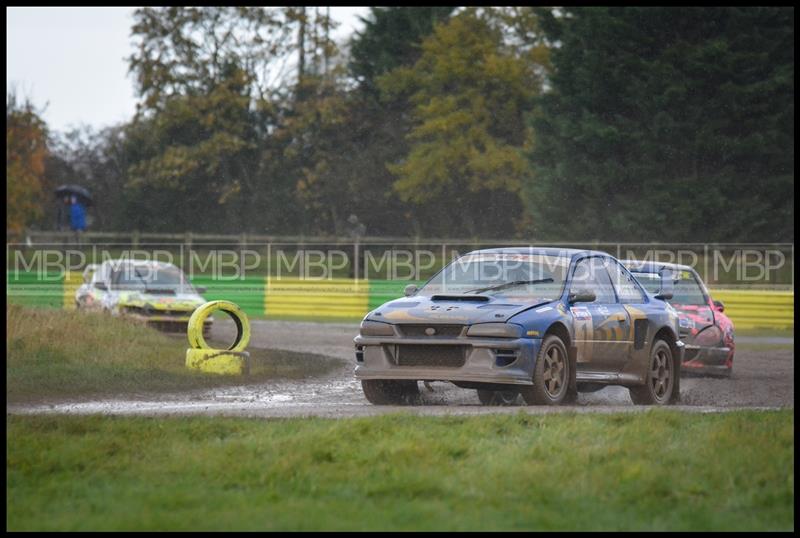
{"type": "Point", "coordinates": [763, 378]}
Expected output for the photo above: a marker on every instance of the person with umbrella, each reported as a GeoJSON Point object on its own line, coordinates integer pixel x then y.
{"type": "Point", "coordinates": [73, 211]}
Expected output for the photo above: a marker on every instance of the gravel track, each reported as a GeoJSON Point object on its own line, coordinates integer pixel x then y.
{"type": "Point", "coordinates": [762, 378]}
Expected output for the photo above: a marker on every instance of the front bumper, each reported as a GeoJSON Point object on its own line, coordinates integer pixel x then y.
{"type": "Point", "coordinates": [167, 323]}
{"type": "Point", "coordinates": [485, 360]}
{"type": "Point", "coordinates": [712, 360]}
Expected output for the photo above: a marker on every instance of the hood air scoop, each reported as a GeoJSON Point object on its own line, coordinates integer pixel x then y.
{"type": "Point", "coordinates": [471, 298]}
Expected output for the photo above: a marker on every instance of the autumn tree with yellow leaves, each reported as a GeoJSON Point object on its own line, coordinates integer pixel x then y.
{"type": "Point", "coordinates": [26, 154]}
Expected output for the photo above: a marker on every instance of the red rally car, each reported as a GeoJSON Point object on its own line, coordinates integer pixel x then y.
{"type": "Point", "coordinates": [705, 329]}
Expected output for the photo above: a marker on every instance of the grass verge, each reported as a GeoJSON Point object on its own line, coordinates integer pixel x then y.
{"type": "Point", "coordinates": [656, 470]}
{"type": "Point", "coordinates": [766, 332]}
{"type": "Point", "coordinates": [52, 354]}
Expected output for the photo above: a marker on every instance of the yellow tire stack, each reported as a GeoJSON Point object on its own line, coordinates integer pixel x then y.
{"type": "Point", "coordinates": [232, 361]}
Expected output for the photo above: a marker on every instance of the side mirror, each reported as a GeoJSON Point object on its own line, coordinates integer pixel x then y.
{"type": "Point", "coordinates": [719, 306]}
{"type": "Point", "coordinates": [410, 290]}
{"type": "Point", "coordinates": [201, 289]}
{"type": "Point", "coordinates": [667, 286]}
{"type": "Point", "coordinates": [581, 296]}
{"type": "Point", "coordinates": [101, 286]}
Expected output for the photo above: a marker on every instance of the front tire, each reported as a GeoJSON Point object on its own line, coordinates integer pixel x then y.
{"type": "Point", "coordinates": [552, 375]}
{"type": "Point", "coordinates": [389, 391]}
{"type": "Point", "coordinates": [498, 397]}
{"type": "Point", "coordinates": [662, 373]}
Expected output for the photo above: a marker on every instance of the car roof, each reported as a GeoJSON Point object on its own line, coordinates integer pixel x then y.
{"type": "Point", "coordinates": [545, 251]}
{"type": "Point", "coordinates": [654, 266]}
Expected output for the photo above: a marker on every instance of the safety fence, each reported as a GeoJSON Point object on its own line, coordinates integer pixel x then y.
{"type": "Point", "coordinates": [751, 309]}
{"type": "Point", "coordinates": [347, 299]}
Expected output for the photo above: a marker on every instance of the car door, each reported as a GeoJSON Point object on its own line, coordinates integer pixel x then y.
{"type": "Point", "coordinates": [633, 300]}
{"type": "Point", "coordinates": [601, 327]}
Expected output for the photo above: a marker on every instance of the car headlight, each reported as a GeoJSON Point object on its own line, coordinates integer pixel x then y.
{"type": "Point", "coordinates": [375, 328]}
{"type": "Point", "coordinates": [496, 330]}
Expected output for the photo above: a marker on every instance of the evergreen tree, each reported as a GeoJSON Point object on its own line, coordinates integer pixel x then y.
{"type": "Point", "coordinates": [391, 38]}
{"type": "Point", "coordinates": [670, 124]}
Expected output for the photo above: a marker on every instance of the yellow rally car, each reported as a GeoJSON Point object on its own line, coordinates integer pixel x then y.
{"type": "Point", "coordinates": [155, 293]}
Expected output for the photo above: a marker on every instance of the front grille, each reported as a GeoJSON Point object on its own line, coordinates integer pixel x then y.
{"type": "Point", "coordinates": [168, 326]}
{"type": "Point", "coordinates": [441, 330]}
{"type": "Point", "coordinates": [176, 313]}
{"type": "Point", "coordinates": [423, 355]}
{"type": "Point", "coordinates": [150, 311]}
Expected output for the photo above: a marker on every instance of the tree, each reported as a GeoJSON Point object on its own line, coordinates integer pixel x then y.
{"type": "Point", "coordinates": [189, 50]}
{"type": "Point", "coordinates": [337, 148]}
{"type": "Point", "coordinates": [666, 123]}
{"type": "Point", "coordinates": [205, 79]}
{"type": "Point", "coordinates": [470, 93]}
{"type": "Point", "coordinates": [209, 135]}
{"type": "Point", "coordinates": [197, 156]}
{"type": "Point", "coordinates": [26, 155]}
{"type": "Point", "coordinates": [391, 38]}
{"type": "Point", "coordinates": [337, 139]}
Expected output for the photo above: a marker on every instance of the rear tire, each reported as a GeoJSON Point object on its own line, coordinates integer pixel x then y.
{"type": "Point", "coordinates": [389, 391]}
{"type": "Point", "coordinates": [552, 375]}
{"type": "Point", "coordinates": [498, 397]}
{"type": "Point", "coordinates": [662, 374]}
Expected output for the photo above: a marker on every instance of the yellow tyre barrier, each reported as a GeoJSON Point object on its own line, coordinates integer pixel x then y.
{"type": "Point", "coordinates": [195, 329]}
{"type": "Point", "coordinates": [217, 361]}
{"type": "Point", "coordinates": [234, 360]}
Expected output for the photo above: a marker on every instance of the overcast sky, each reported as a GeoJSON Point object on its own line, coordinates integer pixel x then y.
{"type": "Point", "coordinates": [73, 61]}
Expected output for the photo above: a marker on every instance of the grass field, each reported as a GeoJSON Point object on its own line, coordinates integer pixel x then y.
{"type": "Point", "coordinates": [62, 354]}
{"type": "Point", "coordinates": [658, 470]}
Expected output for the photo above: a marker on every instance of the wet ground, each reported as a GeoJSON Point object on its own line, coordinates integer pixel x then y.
{"type": "Point", "coordinates": [763, 378]}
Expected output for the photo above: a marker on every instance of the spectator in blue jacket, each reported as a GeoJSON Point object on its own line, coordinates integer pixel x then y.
{"type": "Point", "coordinates": [77, 215]}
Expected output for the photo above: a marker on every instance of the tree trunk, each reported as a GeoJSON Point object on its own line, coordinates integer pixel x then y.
{"type": "Point", "coordinates": [301, 46]}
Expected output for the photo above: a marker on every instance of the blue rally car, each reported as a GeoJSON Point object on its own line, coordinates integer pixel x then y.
{"type": "Point", "coordinates": [545, 323]}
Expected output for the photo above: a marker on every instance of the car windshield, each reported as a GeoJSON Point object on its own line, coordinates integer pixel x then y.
{"type": "Point", "coordinates": [686, 289]}
{"type": "Point", "coordinates": [151, 277]}
{"type": "Point", "coordinates": [524, 277]}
